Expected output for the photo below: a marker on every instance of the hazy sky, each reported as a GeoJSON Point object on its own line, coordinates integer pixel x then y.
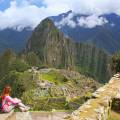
{"type": "Point", "coordinates": [28, 13]}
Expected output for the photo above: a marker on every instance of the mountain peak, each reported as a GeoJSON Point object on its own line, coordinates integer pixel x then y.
{"type": "Point", "coordinates": [46, 23]}
{"type": "Point", "coordinates": [44, 34]}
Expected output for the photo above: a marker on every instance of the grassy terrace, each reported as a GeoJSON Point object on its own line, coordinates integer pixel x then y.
{"type": "Point", "coordinates": [54, 77]}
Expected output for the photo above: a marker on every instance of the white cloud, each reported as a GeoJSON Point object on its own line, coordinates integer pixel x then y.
{"type": "Point", "coordinates": [112, 24]}
{"type": "Point", "coordinates": [25, 14]}
{"type": "Point", "coordinates": [18, 17]}
{"type": "Point", "coordinates": [91, 21]}
{"type": "Point", "coordinates": [88, 6]}
{"type": "Point", "coordinates": [67, 21]}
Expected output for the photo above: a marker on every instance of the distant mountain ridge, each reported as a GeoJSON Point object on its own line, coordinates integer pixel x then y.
{"type": "Point", "coordinates": [55, 50]}
{"type": "Point", "coordinates": [106, 36]}
{"type": "Point", "coordinates": [16, 40]}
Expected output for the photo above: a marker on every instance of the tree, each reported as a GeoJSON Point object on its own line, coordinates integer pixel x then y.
{"type": "Point", "coordinates": [19, 65]}
{"type": "Point", "coordinates": [32, 59]}
{"type": "Point", "coordinates": [115, 63]}
{"type": "Point", "coordinates": [6, 59]}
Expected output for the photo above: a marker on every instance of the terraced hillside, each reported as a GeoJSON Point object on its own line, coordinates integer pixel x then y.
{"type": "Point", "coordinates": [58, 89]}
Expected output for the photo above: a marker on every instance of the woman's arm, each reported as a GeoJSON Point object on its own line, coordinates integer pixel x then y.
{"type": "Point", "coordinates": [12, 100]}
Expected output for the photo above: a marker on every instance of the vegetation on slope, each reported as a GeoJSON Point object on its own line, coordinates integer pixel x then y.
{"type": "Point", "coordinates": [43, 89]}
{"type": "Point", "coordinates": [54, 77]}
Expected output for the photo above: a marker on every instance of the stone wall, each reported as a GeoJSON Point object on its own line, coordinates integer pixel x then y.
{"type": "Point", "coordinates": [8, 116]}
{"type": "Point", "coordinates": [41, 115]}
{"type": "Point", "coordinates": [53, 115]}
{"type": "Point", "coordinates": [98, 108]}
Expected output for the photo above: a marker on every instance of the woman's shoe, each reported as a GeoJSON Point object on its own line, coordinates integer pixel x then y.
{"type": "Point", "coordinates": [27, 108]}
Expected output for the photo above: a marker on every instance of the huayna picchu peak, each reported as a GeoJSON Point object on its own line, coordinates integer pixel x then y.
{"type": "Point", "coordinates": [56, 50]}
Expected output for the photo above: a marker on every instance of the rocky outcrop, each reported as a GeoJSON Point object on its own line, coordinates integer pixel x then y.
{"type": "Point", "coordinates": [98, 108]}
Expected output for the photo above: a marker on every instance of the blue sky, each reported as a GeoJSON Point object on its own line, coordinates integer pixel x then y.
{"type": "Point", "coordinates": [29, 13]}
{"type": "Point", "coordinates": [4, 4]}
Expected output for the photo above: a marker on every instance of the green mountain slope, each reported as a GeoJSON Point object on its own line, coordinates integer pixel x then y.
{"type": "Point", "coordinates": [105, 39]}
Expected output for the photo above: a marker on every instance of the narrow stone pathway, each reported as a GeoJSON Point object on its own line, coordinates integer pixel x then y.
{"type": "Point", "coordinates": [49, 116]}
{"type": "Point", "coordinates": [41, 115]}
{"type": "Point", "coordinates": [23, 116]}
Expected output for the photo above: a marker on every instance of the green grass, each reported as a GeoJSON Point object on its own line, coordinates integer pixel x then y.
{"type": "Point", "coordinates": [54, 77]}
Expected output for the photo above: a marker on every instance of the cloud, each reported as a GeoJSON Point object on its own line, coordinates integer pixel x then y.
{"type": "Point", "coordinates": [112, 24]}
{"type": "Point", "coordinates": [29, 13]}
{"type": "Point", "coordinates": [25, 14]}
{"type": "Point", "coordinates": [91, 21]}
{"type": "Point", "coordinates": [19, 18]}
{"type": "Point", "coordinates": [67, 21]}
{"type": "Point", "coordinates": [87, 6]}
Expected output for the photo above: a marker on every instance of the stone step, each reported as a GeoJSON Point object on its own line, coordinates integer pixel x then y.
{"type": "Point", "coordinates": [33, 115]}
{"type": "Point", "coordinates": [48, 116]}
{"type": "Point", "coordinates": [8, 116]}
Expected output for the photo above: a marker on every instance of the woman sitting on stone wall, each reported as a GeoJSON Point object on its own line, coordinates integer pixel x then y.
{"type": "Point", "coordinates": [9, 103]}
